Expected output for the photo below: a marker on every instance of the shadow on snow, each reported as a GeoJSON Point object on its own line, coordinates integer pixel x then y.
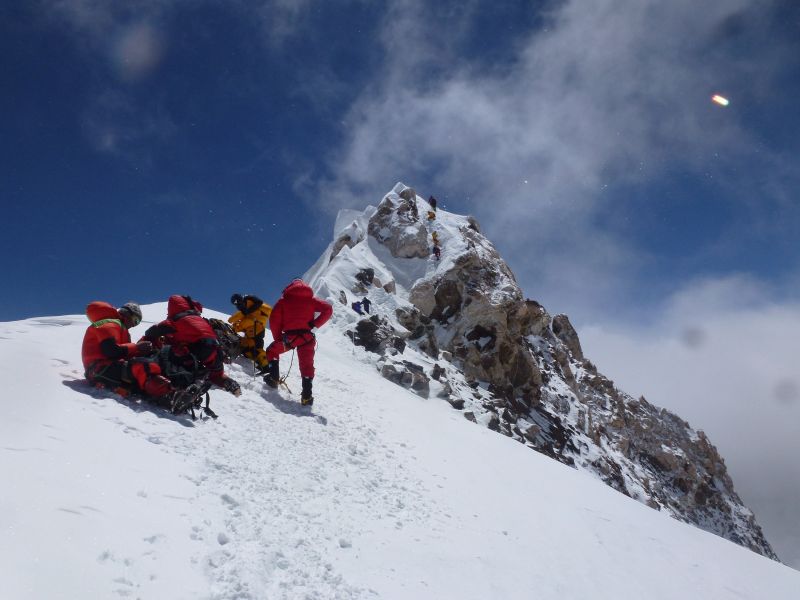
{"type": "Point", "coordinates": [290, 407]}
{"type": "Point", "coordinates": [136, 404]}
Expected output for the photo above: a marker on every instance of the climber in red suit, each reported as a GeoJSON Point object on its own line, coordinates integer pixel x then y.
{"type": "Point", "coordinates": [292, 321]}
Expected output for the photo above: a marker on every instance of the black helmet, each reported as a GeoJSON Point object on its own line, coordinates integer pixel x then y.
{"type": "Point", "coordinates": [238, 301]}
{"type": "Point", "coordinates": [131, 314]}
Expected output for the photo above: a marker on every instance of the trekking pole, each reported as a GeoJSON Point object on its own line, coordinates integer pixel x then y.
{"type": "Point", "coordinates": [253, 357]}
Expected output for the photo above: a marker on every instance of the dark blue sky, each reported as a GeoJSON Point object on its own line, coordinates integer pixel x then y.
{"type": "Point", "coordinates": [204, 148]}
{"type": "Point", "coordinates": [193, 194]}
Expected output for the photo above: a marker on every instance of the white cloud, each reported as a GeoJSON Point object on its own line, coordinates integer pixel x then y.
{"type": "Point", "coordinates": [610, 91]}
{"type": "Point", "coordinates": [137, 51]}
{"type": "Point", "coordinates": [724, 357]}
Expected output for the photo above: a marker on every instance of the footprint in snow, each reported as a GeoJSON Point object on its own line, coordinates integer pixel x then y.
{"type": "Point", "coordinates": [229, 501]}
{"type": "Point", "coordinates": [154, 538]}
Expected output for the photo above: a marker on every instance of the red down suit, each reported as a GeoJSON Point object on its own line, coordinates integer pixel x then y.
{"type": "Point", "coordinates": [294, 316]}
{"type": "Point", "coordinates": [186, 331]}
{"type": "Point", "coordinates": [107, 348]}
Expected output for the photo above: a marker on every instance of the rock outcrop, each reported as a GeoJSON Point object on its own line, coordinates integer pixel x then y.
{"type": "Point", "coordinates": [399, 228]}
{"type": "Point", "coordinates": [459, 328]}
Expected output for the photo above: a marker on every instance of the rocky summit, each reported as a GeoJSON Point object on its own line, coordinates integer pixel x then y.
{"type": "Point", "coordinates": [457, 327]}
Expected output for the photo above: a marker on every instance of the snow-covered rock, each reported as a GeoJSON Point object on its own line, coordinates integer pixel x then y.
{"type": "Point", "coordinates": [510, 366]}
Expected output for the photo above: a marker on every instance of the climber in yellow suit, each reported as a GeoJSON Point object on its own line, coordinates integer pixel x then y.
{"type": "Point", "coordinates": [251, 320]}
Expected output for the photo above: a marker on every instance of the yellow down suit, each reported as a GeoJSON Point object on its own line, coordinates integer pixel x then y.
{"type": "Point", "coordinates": [252, 322]}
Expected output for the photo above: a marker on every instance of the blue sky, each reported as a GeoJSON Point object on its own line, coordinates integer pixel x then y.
{"type": "Point", "coordinates": [154, 147]}
{"type": "Point", "coordinates": [204, 147]}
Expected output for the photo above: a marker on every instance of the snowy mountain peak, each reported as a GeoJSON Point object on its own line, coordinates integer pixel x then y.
{"type": "Point", "coordinates": [457, 327]}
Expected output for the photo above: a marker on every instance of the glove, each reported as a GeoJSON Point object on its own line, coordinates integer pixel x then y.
{"type": "Point", "coordinates": [230, 385]}
{"type": "Point", "coordinates": [311, 324]}
{"type": "Point", "coordinates": [145, 348]}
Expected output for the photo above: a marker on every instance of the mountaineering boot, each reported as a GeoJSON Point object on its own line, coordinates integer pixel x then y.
{"type": "Point", "coordinates": [231, 386]}
{"type": "Point", "coordinates": [306, 397]}
{"type": "Point", "coordinates": [262, 369]}
{"type": "Point", "coordinates": [273, 376]}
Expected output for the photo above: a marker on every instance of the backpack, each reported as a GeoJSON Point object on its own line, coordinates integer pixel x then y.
{"type": "Point", "coordinates": [182, 370]}
{"type": "Point", "coordinates": [229, 341]}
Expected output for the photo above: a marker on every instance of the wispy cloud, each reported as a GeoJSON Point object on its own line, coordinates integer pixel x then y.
{"type": "Point", "coordinates": [124, 43]}
{"type": "Point", "coordinates": [604, 93]}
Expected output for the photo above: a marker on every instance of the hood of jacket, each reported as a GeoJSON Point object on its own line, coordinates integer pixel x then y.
{"type": "Point", "coordinates": [97, 311]}
{"type": "Point", "coordinates": [298, 290]}
{"type": "Point", "coordinates": [178, 304]}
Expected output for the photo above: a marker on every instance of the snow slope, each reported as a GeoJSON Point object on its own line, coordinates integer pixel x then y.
{"type": "Point", "coordinates": [376, 493]}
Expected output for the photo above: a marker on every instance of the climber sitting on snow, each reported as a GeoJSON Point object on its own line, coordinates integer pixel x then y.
{"type": "Point", "coordinates": [192, 341]}
{"type": "Point", "coordinates": [111, 360]}
{"type": "Point", "coordinates": [251, 319]}
{"type": "Point", "coordinates": [294, 317]}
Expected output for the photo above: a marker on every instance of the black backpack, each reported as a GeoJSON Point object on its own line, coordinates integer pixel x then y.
{"type": "Point", "coordinates": [229, 341]}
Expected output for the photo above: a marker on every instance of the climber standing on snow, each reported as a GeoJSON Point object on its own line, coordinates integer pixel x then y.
{"type": "Point", "coordinates": [251, 319]}
{"type": "Point", "coordinates": [111, 360]}
{"type": "Point", "coordinates": [293, 319]}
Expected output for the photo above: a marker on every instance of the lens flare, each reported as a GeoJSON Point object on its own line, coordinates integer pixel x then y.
{"type": "Point", "coordinates": [721, 100]}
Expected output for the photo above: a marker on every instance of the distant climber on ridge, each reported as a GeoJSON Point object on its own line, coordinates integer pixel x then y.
{"type": "Point", "coordinates": [293, 319]}
{"type": "Point", "coordinates": [366, 303]}
{"type": "Point", "coordinates": [251, 319]}
{"type": "Point", "coordinates": [432, 211]}
{"type": "Point", "coordinates": [111, 360]}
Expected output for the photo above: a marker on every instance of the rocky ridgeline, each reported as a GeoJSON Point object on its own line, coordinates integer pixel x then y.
{"type": "Point", "coordinates": [460, 329]}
